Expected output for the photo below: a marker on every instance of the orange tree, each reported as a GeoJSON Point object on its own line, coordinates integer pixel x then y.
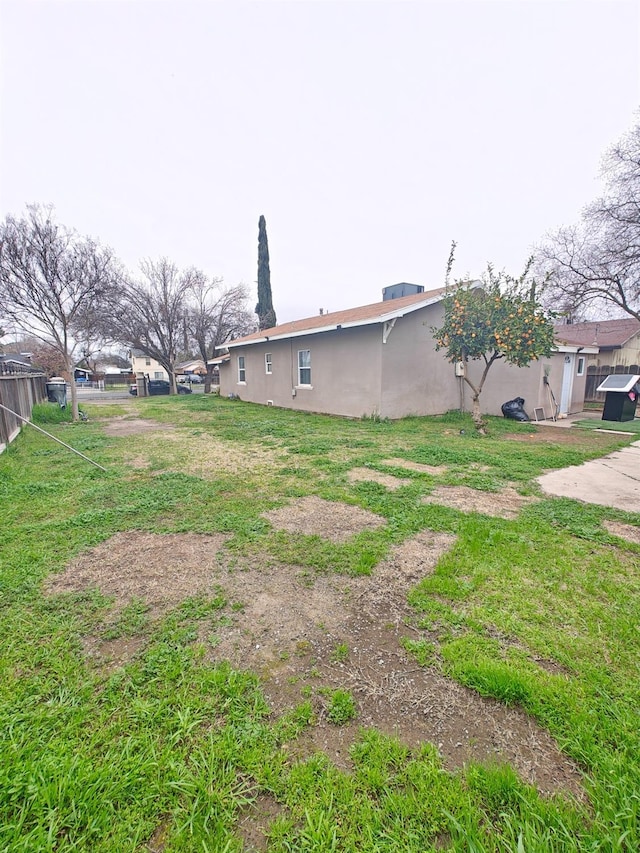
{"type": "Point", "coordinates": [496, 318]}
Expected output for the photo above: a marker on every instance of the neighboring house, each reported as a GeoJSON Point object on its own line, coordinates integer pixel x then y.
{"type": "Point", "coordinates": [17, 362]}
{"type": "Point", "coordinates": [380, 359]}
{"type": "Point", "coordinates": [194, 365]}
{"type": "Point", "coordinates": [618, 349]}
{"type": "Point", "coordinates": [142, 363]}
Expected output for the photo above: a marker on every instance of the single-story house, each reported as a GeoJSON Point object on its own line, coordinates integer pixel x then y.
{"type": "Point", "coordinates": [17, 362]}
{"type": "Point", "coordinates": [380, 359]}
{"type": "Point", "coordinates": [618, 341]}
{"type": "Point", "coordinates": [618, 349]}
{"type": "Point", "coordinates": [192, 366]}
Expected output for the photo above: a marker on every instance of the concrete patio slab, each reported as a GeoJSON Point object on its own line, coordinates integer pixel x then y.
{"type": "Point", "coordinates": [613, 480]}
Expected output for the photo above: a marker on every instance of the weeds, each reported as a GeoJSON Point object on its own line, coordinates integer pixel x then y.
{"type": "Point", "coordinates": [171, 749]}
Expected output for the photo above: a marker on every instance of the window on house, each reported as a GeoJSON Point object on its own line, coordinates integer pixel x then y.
{"type": "Point", "coordinates": [580, 371]}
{"type": "Point", "coordinates": [147, 362]}
{"type": "Point", "coordinates": [242, 373]}
{"type": "Point", "coordinates": [158, 375]}
{"type": "Point", "coordinates": [267, 363]}
{"type": "Point", "coordinates": [304, 367]}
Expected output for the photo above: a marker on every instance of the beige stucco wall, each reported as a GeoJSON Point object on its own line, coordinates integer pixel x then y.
{"type": "Point", "coordinates": [345, 372]}
{"type": "Point", "coordinates": [353, 373]}
{"type": "Point", "coordinates": [416, 380]}
{"type": "Point", "coordinates": [505, 382]}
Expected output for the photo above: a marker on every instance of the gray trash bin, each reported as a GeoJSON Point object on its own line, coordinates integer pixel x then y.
{"type": "Point", "coordinates": [57, 391]}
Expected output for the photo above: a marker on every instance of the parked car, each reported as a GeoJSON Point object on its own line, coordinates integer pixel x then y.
{"type": "Point", "coordinates": [159, 386]}
{"type": "Point", "coordinates": [192, 378]}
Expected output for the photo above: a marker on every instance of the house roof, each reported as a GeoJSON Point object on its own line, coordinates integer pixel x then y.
{"type": "Point", "coordinates": [606, 334]}
{"type": "Point", "coordinates": [377, 312]}
{"type": "Point", "coordinates": [13, 362]}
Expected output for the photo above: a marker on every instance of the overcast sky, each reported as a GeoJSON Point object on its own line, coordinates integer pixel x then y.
{"type": "Point", "coordinates": [369, 134]}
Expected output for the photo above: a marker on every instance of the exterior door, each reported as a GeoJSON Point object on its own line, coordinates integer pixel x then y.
{"type": "Point", "coordinates": [567, 383]}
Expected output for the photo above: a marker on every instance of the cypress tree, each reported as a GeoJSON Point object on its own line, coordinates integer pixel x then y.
{"type": "Point", "coordinates": [264, 308]}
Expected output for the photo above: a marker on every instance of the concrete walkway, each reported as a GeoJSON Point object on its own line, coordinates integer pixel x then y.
{"type": "Point", "coordinates": [613, 480]}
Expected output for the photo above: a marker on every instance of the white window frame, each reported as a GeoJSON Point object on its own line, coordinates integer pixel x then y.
{"type": "Point", "coordinates": [158, 374]}
{"type": "Point", "coordinates": [268, 363]}
{"type": "Point", "coordinates": [242, 370]}
{"type": "Point", "coordinates": [306, 367]}
{"type": "Point", "coordinates": [582, 361]}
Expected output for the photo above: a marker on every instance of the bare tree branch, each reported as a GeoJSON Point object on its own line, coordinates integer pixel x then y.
{"type": "Point", "coordinates": [597, 263]}
{"type": "Point", "coordinates": [54, 284]}
{"type": "Point", "coordinates": [216, 315]}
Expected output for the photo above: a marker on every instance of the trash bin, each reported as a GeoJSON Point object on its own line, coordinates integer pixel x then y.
{"type": "Point", "coordinates": [621, 396]}
{"type": "Point", "coordinates": [57, 391]}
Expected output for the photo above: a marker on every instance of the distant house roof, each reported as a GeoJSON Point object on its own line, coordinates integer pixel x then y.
{"type": "Point", "coordinates": [15, 363]}
{"type": "Point", "coordinates": [377, 312]}
{"type": "Point", "coordinates": [191, 365]}
{"type": "Point", "coordinates": [605, 334]}
{"type": "Point", "coordinates": [221, 359]}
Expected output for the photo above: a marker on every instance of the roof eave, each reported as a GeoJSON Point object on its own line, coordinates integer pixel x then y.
{"type": "Point", "coordinates": [575, 348]}
{"type": "Point", "coordinates": [332, 327]}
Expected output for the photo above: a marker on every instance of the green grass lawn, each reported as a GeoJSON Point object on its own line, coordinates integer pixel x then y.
{"type": "Point", "coordinates": [624, 426]}
{"type": "Point", "coordinates": [168, 752]}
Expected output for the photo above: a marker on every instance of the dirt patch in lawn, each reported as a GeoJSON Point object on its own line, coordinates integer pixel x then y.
{"type": "Point", "coordinates": [504, 504]}
{"type": "Point", "coordinates": [434, 470]}
{"type": "Point", "coordinates": [360, 475]}
{"type": "Point", "coordinates": [158, 570]}
{"type": "Point", "coordinates": [308, 636]}
{"type": "Point", "coordinates": [255, 820]}
{"type": "Point", "coordinates": [125, 425]}
{"type": "Point", "coordinates": [625, 531]}
{"type": "Point", "coordinates": [207, 456]}
{"type": "Point", "coordinates": [314, 516]}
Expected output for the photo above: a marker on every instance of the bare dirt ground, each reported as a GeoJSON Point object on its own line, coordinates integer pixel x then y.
{"type": "Point", "coordinates": [434, 470]}
{"type": "Point", "coordinates": [625, 531]}
{"type": "Point", "coordinates": [312, 516]}
{"type": "Point", "coordinates": [359, 475]}
{"type": "Point", "coordinates": [506, 503]}
{"type": "Point", "coordinates": [125, 425]}
{"type": "Point", "coordinates": [305, 636]}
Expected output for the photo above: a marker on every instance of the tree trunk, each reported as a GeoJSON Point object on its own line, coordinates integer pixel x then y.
{"type": "Point", "coordinates": [208, 379]}
{"type": "Point", "coordinates": [70, 377]}
{"type": "Point", "coordinates": [477, 416]}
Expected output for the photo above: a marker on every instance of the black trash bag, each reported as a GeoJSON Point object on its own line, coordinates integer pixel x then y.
{"type": "Point", "coordinates": [514, 409]}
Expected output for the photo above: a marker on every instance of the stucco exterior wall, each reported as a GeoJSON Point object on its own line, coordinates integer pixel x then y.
{"type": "Point", "coordinates": [345, 372]}
{"type": "Point", "coordinates": [353, 373]}
{"type": "Point", "coordinates": [416, 380]}
{"type": "Point", "coordinates": [505, 382]}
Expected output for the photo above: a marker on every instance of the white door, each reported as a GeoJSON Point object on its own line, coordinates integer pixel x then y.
{"type": "Point", "coordinates": [567, 384]}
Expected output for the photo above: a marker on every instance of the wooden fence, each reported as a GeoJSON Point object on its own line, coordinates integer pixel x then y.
{"type": "Point", "coordinates": [18, 392]}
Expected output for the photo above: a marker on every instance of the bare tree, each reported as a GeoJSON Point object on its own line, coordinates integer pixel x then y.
{"type": "Point", "coordinates": [597, 263]}
{"type": "Point", "coordinates": [54, 285]}
{"type": "Point", "coordinates": [150, 313]}
{"type": "Point", "coordinates": [216, 315]}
